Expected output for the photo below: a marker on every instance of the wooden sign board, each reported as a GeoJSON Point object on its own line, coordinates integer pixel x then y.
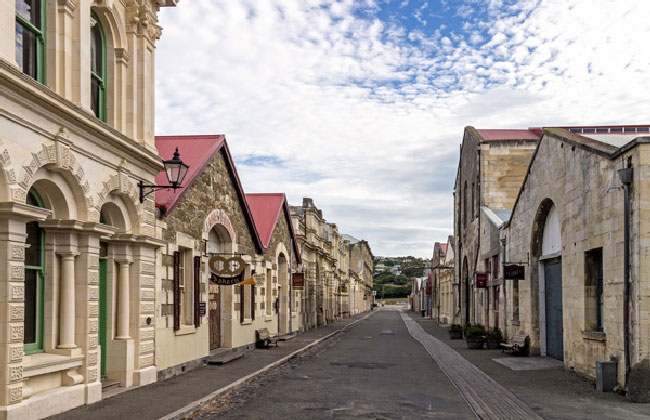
{"type": "Point", "coordinates": [481, 280]}
{"type": "Point", "coordinates": [298, 280]}
{"type": "Point", "coordinates": [514, 272]}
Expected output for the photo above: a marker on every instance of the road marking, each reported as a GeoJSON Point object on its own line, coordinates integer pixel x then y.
{"type": "Point", "coordinates": [485, 397]}
{"type": "Point", "coordinates": [198, 404]}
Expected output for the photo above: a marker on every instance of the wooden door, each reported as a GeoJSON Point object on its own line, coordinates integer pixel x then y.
{"type": "Point", "coordinates": [553, 302]}
{"type": "Point", "coordinates": [214, 321]}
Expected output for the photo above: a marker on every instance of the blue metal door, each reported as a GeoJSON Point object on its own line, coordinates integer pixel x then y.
{"type": "Point", "coordinates": [553, 301]}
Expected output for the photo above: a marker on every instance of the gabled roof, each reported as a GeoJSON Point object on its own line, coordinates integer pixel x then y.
{"type": "Point", "coordinates": [197, 152]}
{"type": "Point", "coordinates": [496, 217]}
{"type": "Point", "coordinates": [266, 208]}
{"type": "Point", "coordinates": [444, 248]}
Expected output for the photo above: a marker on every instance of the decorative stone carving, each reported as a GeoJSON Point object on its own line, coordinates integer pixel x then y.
{"type": "Point", "coordinates": [93, 309]}
{"type": "Point", "coordinates": [17, 311]}
{"type": "Point", "coordinates": [146, 334]}
{"type": "Point", "coordinates": [92, 341]}
{"type": "Point", "coordinates": [92, 357]}
{"type": "Point", "coordinates": [18, 252]}
{"type": "Point", "coordinates": [15, 393]}
{"type": "Point", "coordinates": [16, 332]}
{"type": "Point", "coordinates": [93, 262]}
{"type": "Point", "coordinates": [93, 277]}
{"type": "Point", "coordinates": [17, 271]}
{"type": "Point", "coordinates": [17, 291]}
{"type": "Point", "coordinates": [93, 292]}
{"type": "Point", "coordinates": [16, 373]}
{"type": "Point", "coordinates": [72, 377]}
{"type": "Point", "coordinates": [16, 352]}
{"type": "Point", "coordinates": [93, 325]}
{"type": "Point", "coordinates": [11, 176]}
{"type": "Point", "coordinates": [18, 194]}
{"type": "Point", "coordinates": [92, 374]}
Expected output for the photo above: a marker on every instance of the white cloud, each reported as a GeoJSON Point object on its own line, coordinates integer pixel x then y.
{"type": "Point", "coordinates": [367, 122]}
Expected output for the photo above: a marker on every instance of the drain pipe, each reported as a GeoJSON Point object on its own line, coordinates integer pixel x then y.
{"type": "Point", "coordinates": [503, 284]}
{"type": "Point", "coordinates": [626, 175]}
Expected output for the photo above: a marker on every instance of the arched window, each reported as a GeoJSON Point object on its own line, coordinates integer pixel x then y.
{"type": "Point", "coordinates": [97, 68]}
{"type": "Point", "coordinates": [30, 38]}
{"type": "Point", "coordinates": [34, 281]}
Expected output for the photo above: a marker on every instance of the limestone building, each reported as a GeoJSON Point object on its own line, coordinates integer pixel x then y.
{"type": "Point", "coordinates": [211, 216]}
{"type": "Point", "coordinates": [567, 229]}
{"type": "Point", "coordinates": [443, 281]}
{"type": "Point", "coordinates": [492, 166]}
{"type": "Point", "coordinates": [78, 247]}
{"type": "Point", "coordinates": [362, 264]}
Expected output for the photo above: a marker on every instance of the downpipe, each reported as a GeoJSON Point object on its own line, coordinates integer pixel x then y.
{"type": "Point", "coordinates": [626, 176]}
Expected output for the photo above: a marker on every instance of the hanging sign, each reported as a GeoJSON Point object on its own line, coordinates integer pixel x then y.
{"type": "Point", "coordinates": [481, 280]}
{"type": "Point", "coordinates": [230, 266]}
{"type": "Point", "coordinates": [298, 280]}
{"type": "Point", "coordinates": [227, 281]}
{"type": "Point", "coordinates": [514, 272]}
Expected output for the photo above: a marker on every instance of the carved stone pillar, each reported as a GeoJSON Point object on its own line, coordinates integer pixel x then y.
{"type": "Point", "coordinates": [123, 301]}
{"type": "Point", "coordinates": [67, 303]}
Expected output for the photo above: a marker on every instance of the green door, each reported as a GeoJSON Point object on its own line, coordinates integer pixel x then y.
{"type": "Point", "coordinates": [103, 298]}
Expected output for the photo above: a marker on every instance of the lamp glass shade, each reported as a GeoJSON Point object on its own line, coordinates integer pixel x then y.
{"type": "Point", "coordinates": [175, 169]}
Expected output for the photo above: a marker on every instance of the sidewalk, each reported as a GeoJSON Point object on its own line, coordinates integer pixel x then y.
{"type": "Point", "coordinates": [553, 394]}
{"type": "Point", "coordinates": [160, 399]}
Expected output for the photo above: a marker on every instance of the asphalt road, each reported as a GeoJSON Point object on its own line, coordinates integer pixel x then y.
{"type": "Point", "coordinates": [372, 370]}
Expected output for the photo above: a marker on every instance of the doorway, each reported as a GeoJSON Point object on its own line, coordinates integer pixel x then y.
{"type": "Point", "coordinates": [553, 308]}
{"type": "Point", "coordinates": [214, 321]}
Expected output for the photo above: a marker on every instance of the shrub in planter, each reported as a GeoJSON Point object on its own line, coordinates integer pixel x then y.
{"type": "Point", "coordinates": [455, 331]}
{"type": "Point", "coordinates": [475, 336]}
{"type": "Point", "coordinates": [494, 338]}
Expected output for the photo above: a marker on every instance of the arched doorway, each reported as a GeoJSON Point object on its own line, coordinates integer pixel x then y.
{"type": "Point", "coordinates": [547, 251]}
{"type": "Point", "coordinates": [466, 299]}
{"type": "Point", "coordinates": [283, 294]}
{"type": "Point", "coordinates": [219, 243]}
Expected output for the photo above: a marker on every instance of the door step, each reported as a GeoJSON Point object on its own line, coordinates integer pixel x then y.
{"type": "Point", "coordinates": [223, 357]}
{"type": "Point", "coordinates": [108, 384]}
{"type": "Point", "coordinates": [287, 337]}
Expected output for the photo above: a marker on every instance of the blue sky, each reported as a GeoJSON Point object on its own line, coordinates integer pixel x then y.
{"type": "Point", "coordinates": [361, 104]}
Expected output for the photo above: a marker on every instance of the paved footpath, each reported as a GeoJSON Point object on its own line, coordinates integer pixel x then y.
{"type": "Point", "coordinates": [487, 398]}
{"type": "Point", "coordinates": [158, 400]}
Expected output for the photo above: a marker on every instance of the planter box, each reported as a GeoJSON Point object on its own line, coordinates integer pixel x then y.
{"type": "Point", "coordinates": [456, 335]}
{"type": "Point", "coordinates": [492, 343]}
{"type": "Point", "coordinates": [475, 343]}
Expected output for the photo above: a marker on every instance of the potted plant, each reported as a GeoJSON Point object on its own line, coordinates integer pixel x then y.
{"type": "Point", "coordinates": [465, 327]}
{"type": "Point", "coordinates": [475, 336]}
{"type": "Point", "coordinates": [494, 338]}
{"type": "Point", "coordinates": [455, 331]}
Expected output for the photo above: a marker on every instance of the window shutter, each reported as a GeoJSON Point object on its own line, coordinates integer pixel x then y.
{"type": "Point", "coordinates": [197, 291]}
{"type": "Point", "coordinates": [242, 301]}
{"type": "Point", "coordinates": [252, 302]}
{"type": "Point", "coordinates": [177, 291]}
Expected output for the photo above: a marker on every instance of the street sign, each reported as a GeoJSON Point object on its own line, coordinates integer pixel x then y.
{"type": "Point", "coordinates": [481, 280]}
{"type": "Point", "coordinates": [514, 272]}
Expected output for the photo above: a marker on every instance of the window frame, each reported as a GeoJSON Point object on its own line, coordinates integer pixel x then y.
{"type": "Point", "coordinates": [40, 41]}
{"type": "Point", "coordinates": [101, 112]}
{"type": "Point", "coordinates": [38, 347]}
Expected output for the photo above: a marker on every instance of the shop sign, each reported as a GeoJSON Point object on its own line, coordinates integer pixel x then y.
{"type": "Point", "coordinates": [514, 272]}
{"type": "Point", "coordinates": [298, 280]}
{"type": "Point", "coordinates": [481, 280]}
{"type": "Point", "coordinates": [202, 308]}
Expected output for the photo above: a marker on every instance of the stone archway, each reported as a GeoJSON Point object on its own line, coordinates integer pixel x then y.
{"type": "Point", "coordinates": [546, 281]}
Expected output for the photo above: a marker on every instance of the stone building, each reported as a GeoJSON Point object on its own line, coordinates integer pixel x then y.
{"type": "Point", "coordinates": [492, 167]}
{"type": "Point", "coordinates": [567, 229]}
{"type": "Point", "coordinates": [443, 281]}
{"type": "Point", "coordinates": [337, 268]}
{"type": "Point", "coordinates": [211, 216]}
{"type": "Point", "coordinates": [78, 247]}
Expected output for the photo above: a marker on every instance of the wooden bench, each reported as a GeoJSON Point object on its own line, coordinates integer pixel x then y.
{"type": "Point", "coordinates": [263, 338]}
{"type": "Point", "coordinates": [518, 345]}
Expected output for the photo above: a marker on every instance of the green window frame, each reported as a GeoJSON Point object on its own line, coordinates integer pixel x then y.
{"type": "Point", "coordinates": [39, 271]}
{"type": "Point", "coordinates": [26, 27]}
{"type": "Point", "coordinates": [97, 68]}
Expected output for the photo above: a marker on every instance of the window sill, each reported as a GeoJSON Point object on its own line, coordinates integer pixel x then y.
{"type": "Point", "coordinates": [246, 322]}
{"type": "Point", "coordinates": [514, 322]}
{"type": "Point", "coordinates": [185, 330]}
{"type": "Point", "coordinates": [594, 336]}
{"type": "Point", "coordinates": [42, 363]}
{"type": "Point", "coordinates": [268, 318]}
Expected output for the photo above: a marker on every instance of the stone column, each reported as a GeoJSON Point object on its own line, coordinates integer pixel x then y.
{"type": "Point", "coordinates": [123, 317]}
{"type": "Point", "coordinates": [67, 302]}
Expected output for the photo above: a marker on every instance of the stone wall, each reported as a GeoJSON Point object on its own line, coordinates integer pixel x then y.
{"type": "Point", "coordinates": [583, 185]}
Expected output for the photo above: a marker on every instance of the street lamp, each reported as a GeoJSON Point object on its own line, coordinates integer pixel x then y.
{"type": "Point", "coordinates": [175, 170]}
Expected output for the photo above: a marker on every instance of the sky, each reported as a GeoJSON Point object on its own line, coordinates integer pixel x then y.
{"type": "Point", "coordinates": [361, 105]}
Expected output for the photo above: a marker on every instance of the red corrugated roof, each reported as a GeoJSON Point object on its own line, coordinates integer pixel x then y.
{"type": "Point", "coordinates": [265, 209]}
{"type": "Point", "coordinates": [195, 151]}
{"type": "Point", "coordinates": [510, 134]}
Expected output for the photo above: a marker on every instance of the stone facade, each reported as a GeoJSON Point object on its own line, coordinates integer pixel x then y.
{"type": "Point", "coordinates": [576, 178]}
{"type": "Point", "coordinates": [492, 167]}
{"type": "Point", "coordinates": [68, 176]}
{"type": "Point", "coordinates": [443, 285]}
